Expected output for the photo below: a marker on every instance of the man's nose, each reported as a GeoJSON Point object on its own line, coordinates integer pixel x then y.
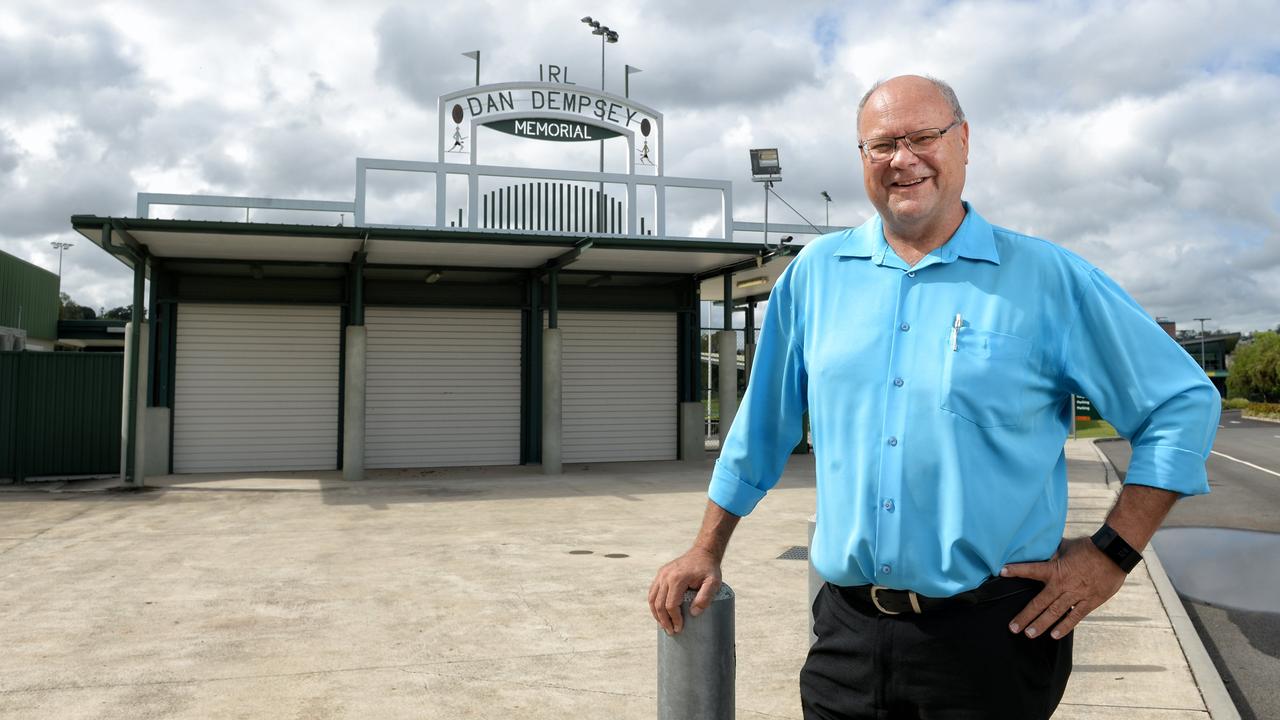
{"type": "Point", "coordinates": [902, 156]}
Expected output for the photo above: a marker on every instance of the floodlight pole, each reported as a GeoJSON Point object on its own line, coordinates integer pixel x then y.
{"type": "Point", "coordinates": [60, 246]}
{"type": "Point", "coordinates": [600, 195]}
{"type": "Point", "coordinates": [768, 185]}
{"type": "Point", "coordinates": [606, 35]}
{"type": "Point", "coordinates": [1202, 363]}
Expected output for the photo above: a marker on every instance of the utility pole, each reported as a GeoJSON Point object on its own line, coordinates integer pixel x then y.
{"type": "Point", "coordinates": [1202, 363]}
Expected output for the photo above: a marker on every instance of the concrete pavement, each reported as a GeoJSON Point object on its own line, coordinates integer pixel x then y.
{"type": "Point", "coordinates": [475, 593]}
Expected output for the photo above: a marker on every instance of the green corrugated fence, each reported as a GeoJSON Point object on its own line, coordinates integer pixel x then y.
{"type": "Point", "coordinates": [60, 414]}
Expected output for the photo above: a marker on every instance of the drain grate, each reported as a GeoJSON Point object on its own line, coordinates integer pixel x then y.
{"type": "Point", "coordinates": [795, 552]}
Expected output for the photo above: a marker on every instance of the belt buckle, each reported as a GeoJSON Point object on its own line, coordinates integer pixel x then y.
{"type": "Point", "coordinates": [911, 595]}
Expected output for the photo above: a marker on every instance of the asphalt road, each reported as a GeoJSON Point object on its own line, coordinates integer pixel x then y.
{"type": "Point", "coordinates": [1244, 645]}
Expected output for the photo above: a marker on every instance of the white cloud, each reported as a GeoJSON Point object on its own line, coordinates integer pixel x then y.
{"type": "Point", "coordinates": [1138, 134]}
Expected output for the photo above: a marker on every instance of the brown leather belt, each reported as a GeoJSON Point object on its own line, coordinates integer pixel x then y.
{"type": "Point", "coordinates": [888, 601]}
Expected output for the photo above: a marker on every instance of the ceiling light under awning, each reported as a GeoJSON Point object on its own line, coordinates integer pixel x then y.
{"type": "Point", "coordinates": [751, 282]}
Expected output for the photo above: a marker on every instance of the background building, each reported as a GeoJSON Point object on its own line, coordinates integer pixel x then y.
{"type": "Point", "coordinates": [28, 305]}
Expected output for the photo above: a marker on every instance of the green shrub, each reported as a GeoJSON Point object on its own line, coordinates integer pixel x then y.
{"type": "Point", "coordinates": [1266, 410]}
{"type": "Point", "coordinates": [1235, 404]}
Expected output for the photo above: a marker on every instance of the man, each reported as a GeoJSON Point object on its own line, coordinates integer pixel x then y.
{"type": "Point", "coordinates": [935, 354]}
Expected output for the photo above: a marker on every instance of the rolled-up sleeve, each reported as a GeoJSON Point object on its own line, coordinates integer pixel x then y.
{"type": "Point", "coordinates": [768, 424]}
{"type": "Point", "coordinates": [1145, 385]}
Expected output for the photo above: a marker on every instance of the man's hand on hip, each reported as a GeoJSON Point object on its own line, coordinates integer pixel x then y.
{"type": "Point", "coordinates": [698, 570]}
{"type": "Point", "coordinates": [1078, 579]}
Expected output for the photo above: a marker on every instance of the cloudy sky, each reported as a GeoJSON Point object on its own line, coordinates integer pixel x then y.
{"type": "Point", "coordinates": [1141, 135]}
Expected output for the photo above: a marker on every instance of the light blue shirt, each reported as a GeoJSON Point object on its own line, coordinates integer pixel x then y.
{"type": "Point", "coordinates": [939, 449]}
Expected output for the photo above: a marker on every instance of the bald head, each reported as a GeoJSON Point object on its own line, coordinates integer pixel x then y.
{"type": "Point", "coordinates": [914, 84]}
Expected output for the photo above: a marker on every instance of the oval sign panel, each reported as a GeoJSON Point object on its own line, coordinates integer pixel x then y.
{"type": "Point", "coordinates": [645, 127]}
{"type": "Point", "coordinates": [457, 114]}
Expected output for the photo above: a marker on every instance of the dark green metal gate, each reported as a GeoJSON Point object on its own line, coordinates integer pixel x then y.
{"type": "Point", "coordinates": [60, 414]}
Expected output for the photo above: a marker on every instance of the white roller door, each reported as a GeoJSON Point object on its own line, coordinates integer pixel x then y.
{"type": "Point", "coordinates": [256, 388]}
{"type": "Point", "coordinates": [442, 387]}
{"type": "Point", "coordinates": [619, 386]}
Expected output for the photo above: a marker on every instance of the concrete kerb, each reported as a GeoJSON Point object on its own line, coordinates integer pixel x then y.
{"type": "Point", "coordinates": [1212, 690]}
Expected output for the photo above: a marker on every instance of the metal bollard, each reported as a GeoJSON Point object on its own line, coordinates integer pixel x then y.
{"type": "Point", "coordinates": [697, 667]}
{"type": "Point", "coordinates": [815, 580]}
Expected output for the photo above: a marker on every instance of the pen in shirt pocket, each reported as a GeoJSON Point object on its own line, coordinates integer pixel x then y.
{"type": "Point", "coordinates": [955, 333]}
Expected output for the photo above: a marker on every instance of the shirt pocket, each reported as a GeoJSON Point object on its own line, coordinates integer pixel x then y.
{"type": "Point", "coordinates": [984, 377]}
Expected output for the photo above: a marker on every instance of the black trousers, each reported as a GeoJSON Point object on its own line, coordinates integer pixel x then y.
{"type": "Point", "coordinates": [953, 663]}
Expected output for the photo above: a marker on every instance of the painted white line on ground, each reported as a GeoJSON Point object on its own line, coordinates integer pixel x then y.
{"type": "Point", "coordinates": [1234, 422]}
{"type": "Point", "coordinates": [1242, 462]}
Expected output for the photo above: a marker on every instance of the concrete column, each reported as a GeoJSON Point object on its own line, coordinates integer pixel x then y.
{"type": "Point", "coordinates": [156, 437]}
{"type": "Point", "coordinates": [693, 431]}
{"type": "Point", "coordinates": [727, 346]}
{"type": "Point", "coordinates": [697, 668]}
{"type": "Point", "coordinates": [552, 425]}
{"type": "Point", "coordinates": [139, 406]}
{"type": "Point", "coordinates": [353, 404]}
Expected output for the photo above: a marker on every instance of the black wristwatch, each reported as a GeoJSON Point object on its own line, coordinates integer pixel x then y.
{"type": "Point", "coordinates": [1114, 547]}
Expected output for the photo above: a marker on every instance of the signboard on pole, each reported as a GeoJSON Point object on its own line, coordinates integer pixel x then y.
{"type": "Point", "coordinates": [1085, 409]}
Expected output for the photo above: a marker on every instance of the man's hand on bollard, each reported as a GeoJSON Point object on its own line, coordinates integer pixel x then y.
{"type": "Point", "coordinates": [1077, 580]}
{"type": "Point", "coordinates": [698, 570]}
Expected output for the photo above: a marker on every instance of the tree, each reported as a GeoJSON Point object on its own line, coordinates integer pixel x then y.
{"type": "Point", "coordinates": [124, 312]}
{"type": "Point", "coordinates": [71, 310]}
{"type": "Point", "coordinates": [1255, 373]}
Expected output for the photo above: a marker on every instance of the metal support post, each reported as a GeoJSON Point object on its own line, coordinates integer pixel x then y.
{"type": "Point", "coordinates": [553, 299]}
{"type": "Point", "coordinates": [131, 396]}
{"type": "Point", "coordinates": [697, 667]}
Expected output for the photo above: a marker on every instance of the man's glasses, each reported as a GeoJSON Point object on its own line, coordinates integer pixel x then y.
{"type": "Point", "coordinates": [918, 142]}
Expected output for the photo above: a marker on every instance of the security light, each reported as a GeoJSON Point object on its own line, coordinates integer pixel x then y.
{"type": "Point", "coordinates": [765, 166]}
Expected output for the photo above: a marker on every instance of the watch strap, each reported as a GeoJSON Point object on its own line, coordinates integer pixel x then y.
{"type": "Point", "coordinates": [1113, 546]}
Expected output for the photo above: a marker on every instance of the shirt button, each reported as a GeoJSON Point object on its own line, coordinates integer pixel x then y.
{"type": "Point", "coordinates": [911, 274]}
{"type": "Point", "coordinates": [893, 442]}
{"type": "Point", "coordinates": [904, 327]}
{"type": "Point", "coordinates": [888, 505]}
{"type": "Point", "coordinates": [897, 382]}
{"type": "Point", "coordinates": [885, 569]}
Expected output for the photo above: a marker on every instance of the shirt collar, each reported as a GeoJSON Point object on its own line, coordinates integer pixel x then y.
{"type": "Point", "coordinates": [974, 239]}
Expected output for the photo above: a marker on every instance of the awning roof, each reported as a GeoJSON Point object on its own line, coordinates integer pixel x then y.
{"type": "Point", "coordinates": [196, 240]}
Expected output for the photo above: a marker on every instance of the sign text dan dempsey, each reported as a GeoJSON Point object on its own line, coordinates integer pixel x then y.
{"type": "Point", "coordinates": [554, 100]}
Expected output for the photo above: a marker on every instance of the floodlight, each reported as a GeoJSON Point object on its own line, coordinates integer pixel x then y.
{"type": "Point", "coordinates": [765, 166]}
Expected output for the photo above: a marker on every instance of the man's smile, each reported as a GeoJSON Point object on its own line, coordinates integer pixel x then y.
{"type": "Point", "coordinates": [908, 183]}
